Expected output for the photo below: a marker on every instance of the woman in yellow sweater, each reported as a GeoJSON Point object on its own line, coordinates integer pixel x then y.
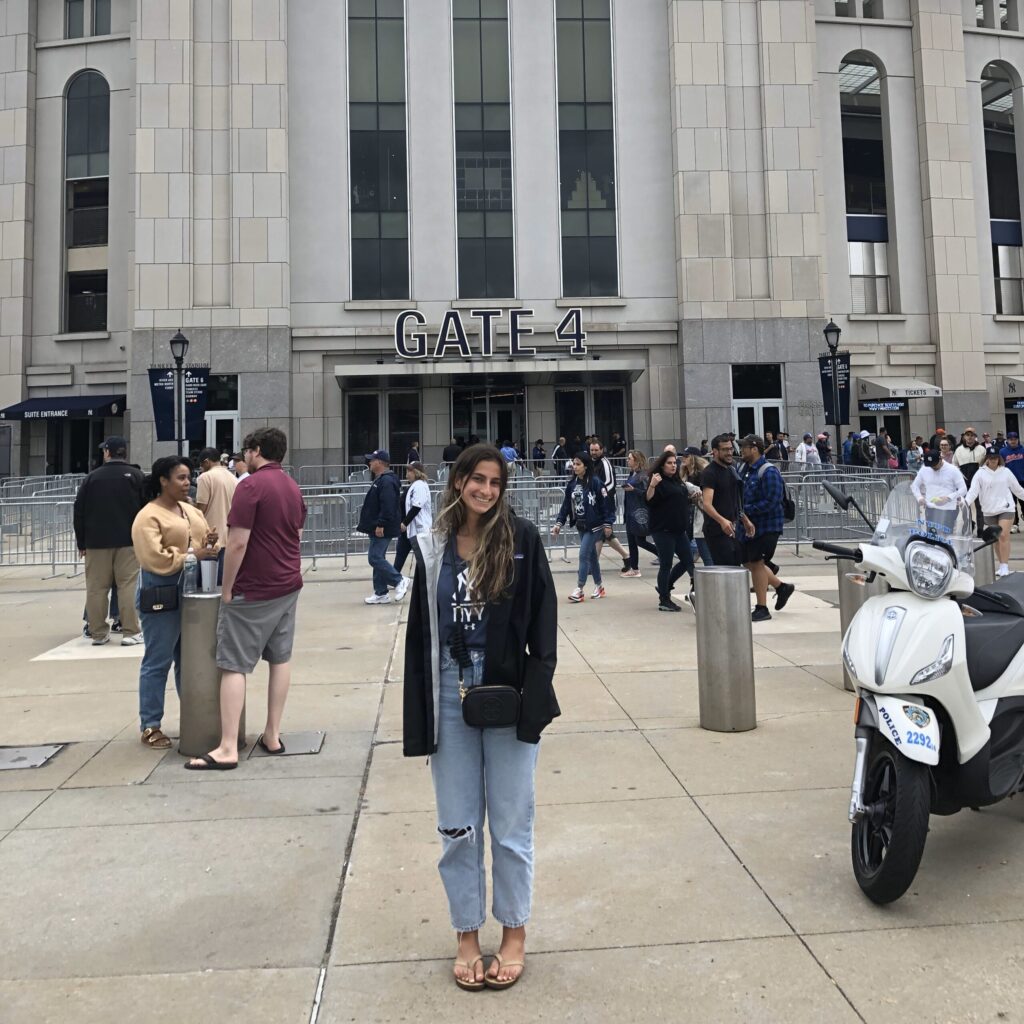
{"type": "Point", "coordinates": [162, 533]}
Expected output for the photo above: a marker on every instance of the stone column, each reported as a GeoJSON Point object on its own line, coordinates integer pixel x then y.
{"type": "Point", "coordinates": [947, 195]}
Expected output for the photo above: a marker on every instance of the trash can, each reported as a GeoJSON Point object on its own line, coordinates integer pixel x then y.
{"type": "Point", "coordinates": [725, 649]}
{"type": "Point", "coordinates": [851, 597]}
{"type": "Point", "coordinates": [200, 677]}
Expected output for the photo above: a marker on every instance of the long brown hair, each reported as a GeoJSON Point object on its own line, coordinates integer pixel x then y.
{"type": "Point", "coordinates": [490, 565]}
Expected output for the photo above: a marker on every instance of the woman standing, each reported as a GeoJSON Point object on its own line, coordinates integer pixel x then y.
{"type": "Point", "coordinates": [996, 486]}
{"type": "Point", "coordinates": [418, 516]}
{"type": "Point", "coordinates": [163, 533]}
{"type": "Point", "coordinates": [483, 610]}
{"type": "Point", "coordinates": [635, 512]}
{"type": "Point", "coordinates": [587, 506]}
{"type": "Point", "coordinates": [669, 504]}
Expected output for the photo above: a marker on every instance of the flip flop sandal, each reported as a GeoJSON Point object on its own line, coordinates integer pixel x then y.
{"type": "Point", "coordinates": [156, 739]}
{"type": "Point", "coordinates": [267, 750]}
{"type": "Point", "coordinates": [495, 983]}
{"type": "Point", "coordinates": [469, 986]}
{"type": "Point", "coordinates": [211, 764]}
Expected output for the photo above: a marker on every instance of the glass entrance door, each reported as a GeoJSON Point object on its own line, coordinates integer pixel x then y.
{"type": "Point", "coordinates": [491, 415]}
{"type": "Point", "coordinates": [222, 432]}
{"type": "Point", "coordinates": [753, 417]}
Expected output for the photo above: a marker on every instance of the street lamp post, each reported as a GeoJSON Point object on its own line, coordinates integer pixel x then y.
{"type": "Point", "coordinates": [179, 348]}
{"type": "Point", "coordinates": [832, 332]}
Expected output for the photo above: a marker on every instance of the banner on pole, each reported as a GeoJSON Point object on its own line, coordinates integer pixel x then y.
{"type": "Point", "coordinates": [843, 375]}
{"type": "Point", "coordinates": [161, 390]}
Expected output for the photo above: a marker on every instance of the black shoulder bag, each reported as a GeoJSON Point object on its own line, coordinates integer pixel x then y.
{"type": "Point", "coordinates": [483, 707]}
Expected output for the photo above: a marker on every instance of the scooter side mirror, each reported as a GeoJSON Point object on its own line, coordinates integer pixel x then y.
{"type": "Point", "coordinates": [841, 498]}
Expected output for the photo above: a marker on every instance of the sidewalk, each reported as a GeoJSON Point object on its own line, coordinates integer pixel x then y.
{"type": "Point", "coordinates": [681, 875]}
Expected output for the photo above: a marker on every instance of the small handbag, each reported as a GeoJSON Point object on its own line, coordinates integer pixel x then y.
{"type": "Point", "coordinates": [483, 707]}
{"type": "Point", "coordinates": [159, 599]}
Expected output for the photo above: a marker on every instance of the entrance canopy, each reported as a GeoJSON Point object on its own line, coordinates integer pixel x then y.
{"type": "Point", "coordinates": [66, 407]}
{"type": "Point", "coordinates": [885, 388]}
{"type": "Point", "coordinates": [1013, 387]}
{"type": "Point", "coordinates": [497, 372]}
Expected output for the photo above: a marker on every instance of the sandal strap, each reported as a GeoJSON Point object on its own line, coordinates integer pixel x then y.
{"type": "Point", "coordinates": [471, 964]}
{"type": "Point", "coordinates": [153, 735]}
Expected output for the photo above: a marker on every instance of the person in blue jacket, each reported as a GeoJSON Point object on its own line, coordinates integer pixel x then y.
{"type": "Point", "coordinates": [1013, 458]}
{"type": "Point", "coordinates": [586, 506]}
{"type": "Point", "coordinates": [380, 519]}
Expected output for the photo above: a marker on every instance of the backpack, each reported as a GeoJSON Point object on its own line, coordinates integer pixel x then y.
{"type": "Point", "coordinates": [788, 505]}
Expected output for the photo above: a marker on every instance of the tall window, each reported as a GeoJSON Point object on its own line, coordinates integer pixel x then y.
{"type": "Point", "coordinates": [86, 188]}
{"type": "Point", "coordinates": [380, 200]}
{"type": "Point", "coordinates": [586, 145]}
{"type": "Point", "coordinates": [83, 18]}
{"type": "Point", "coordinates": [101, 17]}
{"type": "Point", "coordinates": [74, 19]}
{"type": "Point", "coordinates": [483, 148]}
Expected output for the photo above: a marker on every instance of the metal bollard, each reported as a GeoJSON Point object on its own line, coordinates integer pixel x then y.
{"type": "Point", "coordinates": [851, 597]}
{"type": "Point", "coordinates": [200, 677]}
{"type": "Point", "coordinates": [725, 649]}
{"type": "Point", "coordinates": [985, 566]}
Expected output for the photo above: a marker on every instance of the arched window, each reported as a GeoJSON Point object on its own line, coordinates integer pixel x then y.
{"type": "Point", "coordinates": [87, 188]}
{"type": "Point", "coordinates": [997, 91]}
{"type": "Point", "coordinates": [864, 177]}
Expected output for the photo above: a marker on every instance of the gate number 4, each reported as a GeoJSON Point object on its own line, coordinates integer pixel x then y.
{"type": "Point", "coordinates": [571, 330]}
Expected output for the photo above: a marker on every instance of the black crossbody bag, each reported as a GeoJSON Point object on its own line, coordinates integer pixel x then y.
{"type": "Point", "coordinates": [483, 707]}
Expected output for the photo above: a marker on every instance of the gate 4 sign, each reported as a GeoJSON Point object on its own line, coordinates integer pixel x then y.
{"type": "Point", "coordinates": [452, 339]}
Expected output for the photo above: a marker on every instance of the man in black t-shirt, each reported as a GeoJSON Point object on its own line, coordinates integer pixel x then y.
{"type": "Point", "coordinates": [723, 493]}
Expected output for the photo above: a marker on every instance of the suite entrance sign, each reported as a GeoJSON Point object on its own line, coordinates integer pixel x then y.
{"type": "Point", "coordinates": [452, 338]}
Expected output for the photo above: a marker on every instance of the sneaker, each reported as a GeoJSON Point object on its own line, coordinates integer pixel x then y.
{"type": "Point", "coordinates": [132, 641]}
{"type": "Point", "coordinates": [1003, 570]}
{"type": "Point", "coordinates": [577, 595]}
{"type": "Point", "coordinates": [598, 593]}
{"type": "Point", "coordinates": [625, 564]}
{"type": "Point", "coordinates": [782, 594]}
{"type": "Point", "coordinates": [401, 589]}
{"type": "Point", "coordinates": [116, 627]}
{"type": "Point", "coordinates": [668, 606]}
{"type": "Point", "coordinates": [378, 599]}
{"type": "Point", "coordinates": [628, 574]}
{"type": "Point", "coordinates": [1015, 528]}
{"type": "Point", "coordinates": [655, 561]}
{"type": "Point", "coordinates": [98, 641]}
{"type": "Point", "coordinates": [85, 632]}
{"type": "Point", "coordinates": [760, 613]}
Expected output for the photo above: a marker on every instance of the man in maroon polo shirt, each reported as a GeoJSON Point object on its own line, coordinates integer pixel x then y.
{"type": "Point", "coordinates": [262, 580]}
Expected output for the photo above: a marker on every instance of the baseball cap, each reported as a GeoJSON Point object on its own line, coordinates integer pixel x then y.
{"type": "Point", "coordinates": [822, 437]}
{"type": "Point", "coordinates": [115, 444]}
{"type": "Point", "coordinates": [753, 441]}
{"type": "Point", "coordinates": [808, 437]}
{"type": "Point", "coordinates": [691, 449]}
{"type": "Point", "coordinates": [940, 430]}
{"type": "Point", "coordinates": [1013, 434]}
{"type": "Point", "coordinates": [932, 458]}
{"type": "Point", "coordinates": [969, 430]}
{"type": "Point", "coordinates": [991, 452]}
{"type": "Point", "coordinates": [381, 453]}
{"type": "Point", "coordinates": [863, 433]}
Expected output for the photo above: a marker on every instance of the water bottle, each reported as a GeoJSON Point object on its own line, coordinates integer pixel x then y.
{"type": "Point", "coordinates": [190, 574]}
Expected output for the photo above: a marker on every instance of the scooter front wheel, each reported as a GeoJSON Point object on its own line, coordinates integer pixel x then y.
{"type": "Point", "coordinates": [888, 840]}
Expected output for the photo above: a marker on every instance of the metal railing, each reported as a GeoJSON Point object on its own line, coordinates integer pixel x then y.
{"type": "Point", "coordinates": [38, 533]}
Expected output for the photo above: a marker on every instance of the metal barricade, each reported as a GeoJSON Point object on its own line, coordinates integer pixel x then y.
{"type": "Point", "coordinates": [38, 533]}
{"type": "Point", "coordinates": [328, 528]}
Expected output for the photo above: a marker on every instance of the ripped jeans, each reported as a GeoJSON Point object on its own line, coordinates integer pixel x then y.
{"type": "Point", "coordinates": [478, 771]}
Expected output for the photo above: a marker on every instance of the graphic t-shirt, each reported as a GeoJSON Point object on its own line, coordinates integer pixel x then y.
{"type": "Point", "coordinates": [456, 602]}
{"type": "Point", "coordinates": [579, 509]}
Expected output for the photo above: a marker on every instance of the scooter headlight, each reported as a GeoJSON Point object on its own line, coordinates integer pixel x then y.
{"type": "Point", "coordinates": [929, 569]}
{"type": "Point", "coordinates": [939, 667]}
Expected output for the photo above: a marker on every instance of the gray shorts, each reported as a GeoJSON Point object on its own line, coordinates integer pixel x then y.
{"type": "Point", "coordinates": [250, 630]}
{"type": "Point", "coordinates": [1003, 517]}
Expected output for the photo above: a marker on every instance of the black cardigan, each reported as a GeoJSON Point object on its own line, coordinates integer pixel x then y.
{"type": "Point", "coordinates": [521, 648]}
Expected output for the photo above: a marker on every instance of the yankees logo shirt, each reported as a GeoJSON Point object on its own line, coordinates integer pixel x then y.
{"type": "Point", "coordinates": [457, 602]}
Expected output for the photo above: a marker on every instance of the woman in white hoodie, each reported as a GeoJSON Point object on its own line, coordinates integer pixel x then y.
{"type": "Point", "coordinates": [994, 485]}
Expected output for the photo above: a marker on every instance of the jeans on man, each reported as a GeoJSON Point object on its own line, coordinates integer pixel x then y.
{"type": "Point", "coordinates": [669, 544]}
{"type": "Point", "coordinates": [478, 770]}
{"type": "Point", "coordinates": [384, 573]}
{"type": "Point", "coordinates": [163, 648]}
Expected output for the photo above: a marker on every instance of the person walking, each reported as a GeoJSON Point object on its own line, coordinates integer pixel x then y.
{"type": "Point", "coordinates": [635, 512]}
{"type": "Point", "coordinates": [824, 449]}
{"type": "Point", "coordinates": [1013, 458]}
{"type": "Point", "coordinates": [722, 494]}
{"type": "Point", "coordinates": [483, 610]}
{"type": "Point", "coordinates": [106, 505]}
{"type": "Point", "coordinates": [417, 512]}
{"type": "Point", "coordinates": [669, 506]}
{"type": "Point", "coordinates": [164, 531]}
{"type": "Point", "coordinates": [691, 470]}
{"type": "Point", "coordinates": [605, 472]}
{"type": "Point", "coordinates": [939, 488]}
{"type": "Point", "coordinates": [539, 456]}
{"type": "Point", "coordinates": [414, 453]}
{"type": "Point", "coordinates": [847, 449]}
{"type": "Point", "coordinates": [379, 519]}
{"type": "Point", "coordinates": [807, 457]}
{"type": "Point", "coordinates": [560, 458]}
{"type": "Point", "coordinates": [763, 492]}
{"type": "Point", "coordinates": [969, 457]}
{"type": "Point", "coordinates": [996, 488]}
{"type": "Point", "coordinates": [617, 448]}
{"type": "Point", "coordinates": [915, 454]}
{"type": "Point", "coordinates": [451, 452]}
{"type": "Point", "coordinates": [259, 596]}
{"type": "Point", "coordinates": [587, 507]}
{"type": "Point", "coordinates": [215, 490]}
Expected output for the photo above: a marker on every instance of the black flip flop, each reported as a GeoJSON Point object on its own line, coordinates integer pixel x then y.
{"type": "Point", "coordinates": [211, 765]}
{"type": "Point", "coordinates": [267, 750]}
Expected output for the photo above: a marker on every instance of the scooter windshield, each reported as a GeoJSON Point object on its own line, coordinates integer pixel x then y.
{"type": "Point", "coordinates": [947, 521]}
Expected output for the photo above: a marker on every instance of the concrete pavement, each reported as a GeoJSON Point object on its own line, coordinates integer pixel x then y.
{"type": "Point", "coordinates": [681, 875]}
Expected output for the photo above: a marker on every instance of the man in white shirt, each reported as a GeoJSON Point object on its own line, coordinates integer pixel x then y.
{"type": "Point", "coordinates": [939, 488]}
{"type": "Point", "coordinates": [807, 456]}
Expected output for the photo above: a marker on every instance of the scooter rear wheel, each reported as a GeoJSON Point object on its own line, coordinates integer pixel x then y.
{"type": "Point", "coordinates": [888, 841]}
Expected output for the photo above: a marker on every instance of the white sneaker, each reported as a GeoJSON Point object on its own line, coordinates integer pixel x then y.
{"type": "Point", "coordinates": [598, 593]}
{"type": "Point", "coordinates": [1015, 528]}
{"type": "Point", "coordinates": [132, 641]}
{"type": "Point", "coordinates": [577, 595]}
{"type": "Point", "coordinates": [1003, 570]}
{"type": "Point", "coordinates": [401, 589]}
{"type": "Point", "coordinates": [378, 599]}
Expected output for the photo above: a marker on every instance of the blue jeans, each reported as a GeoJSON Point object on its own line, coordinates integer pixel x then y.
{"type": "Point", "coordinates": [700, 547]}
{"type": "Point", "coordinates": [384, 573]}
{"type": "Point", "coordinates": [669, 544]}
{"type": "Point", "coordinates": [590, 564]}
{"type": "Point", "coordinates": [478, 771]}
{"type": "Point", "coordinates": [162, 631]}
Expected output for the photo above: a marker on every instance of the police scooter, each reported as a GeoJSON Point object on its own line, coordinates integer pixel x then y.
{"type": "Point", "coordinates": [938, 667]}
